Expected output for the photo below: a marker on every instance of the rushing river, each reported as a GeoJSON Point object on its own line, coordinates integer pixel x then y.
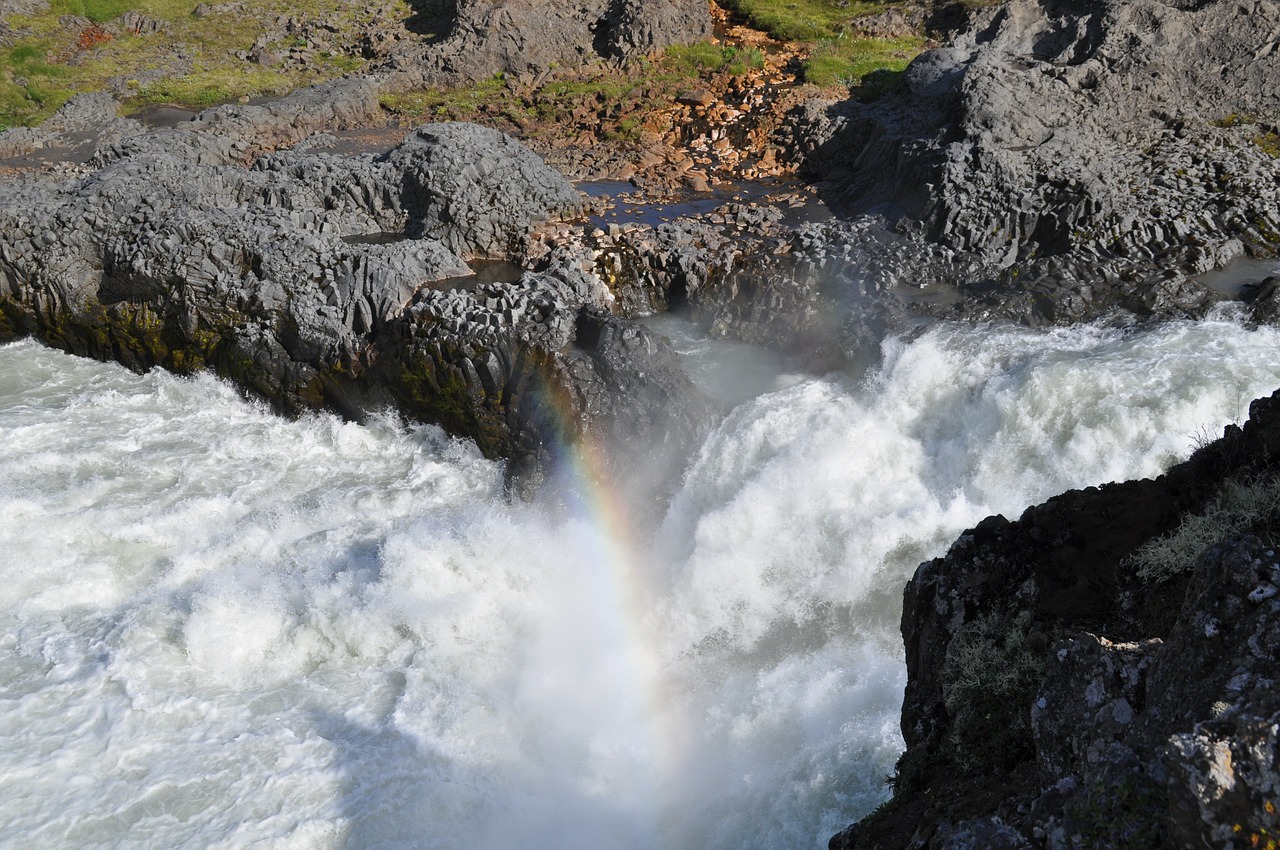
{"type": "Point", "coordinates": [219, 628]}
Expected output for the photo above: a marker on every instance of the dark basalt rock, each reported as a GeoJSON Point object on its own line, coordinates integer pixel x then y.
{"type": "Point", "coordinates": [168, 252]}
{"type": "Point", "coordinates": [1057, 696]}
{"type": "Point", "coordinates": [630, 388]}
{"type": "Point", "coordinates": [75, 131]}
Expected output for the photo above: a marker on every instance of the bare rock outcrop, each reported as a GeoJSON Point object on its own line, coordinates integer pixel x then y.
{"type": "Point", "coordinates": [1079, 142]}
{"type": "Point", "coordinates": [526, 38]}
{"type": "Point", "coordinates": [317, 280]}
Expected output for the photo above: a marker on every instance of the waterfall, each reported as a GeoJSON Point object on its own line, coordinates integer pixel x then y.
{"type": "Point", "coordinates": [219, 628]}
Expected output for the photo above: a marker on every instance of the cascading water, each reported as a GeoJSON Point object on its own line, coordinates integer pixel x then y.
{"type": "Point", "coordinates": [223, 629]}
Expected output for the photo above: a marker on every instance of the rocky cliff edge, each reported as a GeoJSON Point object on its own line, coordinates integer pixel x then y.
{"type": "Point", "coordinates": [1102, 671]}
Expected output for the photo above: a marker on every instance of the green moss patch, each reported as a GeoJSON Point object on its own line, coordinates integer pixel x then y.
{"type": "Point", "coordinates": [872, 64]}
{"type": "Point", "coordinates": [192, 62]}
{"type": "Point", "coordinates": [801, 20]}
{"type": "Point", "coordinates": [840, 56]}
{"type": "Point", "coordinates": [704, 56]}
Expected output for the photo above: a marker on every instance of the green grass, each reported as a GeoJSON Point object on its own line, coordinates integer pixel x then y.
{"type": "Point", "coordinates": [48, 62]}
{"type": "Point", "coordinates": [839, 57]}
{"type": "Point", "coordinates": [704, 56]}
{"type": "Point", "coordinates": [207, 88]}
{"type": "Point", "coordinates": [98, 11]}
{"type": "Point", "coordinates": [801, 20]}
{"type": "Point", "coordinates": [615, 101]}
{"type": "Point", "coordinates": [31, 86]}
{"type": "Point", "coordinates": [454, 104]}
{"type": "Point", "coordinates": [876, 64]}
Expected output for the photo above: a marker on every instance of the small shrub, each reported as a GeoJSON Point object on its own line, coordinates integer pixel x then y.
{"type": "Point", "coordinates": [989, 678]}
{"type": "Point", "coordinates": [1122, 812]}
{"type": "Point", "coordinates": [1239, 507]}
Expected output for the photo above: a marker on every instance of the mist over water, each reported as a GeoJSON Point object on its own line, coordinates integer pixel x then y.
{"type": "Point", "coordinates": [223, 629]}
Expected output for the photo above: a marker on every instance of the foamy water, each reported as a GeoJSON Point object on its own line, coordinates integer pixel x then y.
{"type": "Point", "coordinates": [222, 629]}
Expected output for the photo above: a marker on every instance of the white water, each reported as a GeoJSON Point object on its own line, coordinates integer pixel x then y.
{"type": "Point", "coordinates": [222, 629]}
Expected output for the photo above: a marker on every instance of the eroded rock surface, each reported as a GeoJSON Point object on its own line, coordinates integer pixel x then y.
{"type": "Point", "coordinates": [319, 280]}
{"type": "Point", "coordinates": [527, 38]}
{"type": "Point", "coordinates": [1073, 146]}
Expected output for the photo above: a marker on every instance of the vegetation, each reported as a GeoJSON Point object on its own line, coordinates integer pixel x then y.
{"type": "Point", "coordinates": [875, 64]}
{"type": "Point", "coordinates": [193, 62]}
{"type": "Point", "coordinates": [1121, 812]}
{"type": "Point", "coordinates": [840, 56]}
{"type": "Point", "coordinates": [450, 104]}
{"type": "Point", "coordinates": [81, 45]}
{"type": "Point", "coordinates": [1268, 139]}
{"type": "Point", "coordinates": [988, 682]}
{"type": "Point", "coordinates": [1241, 506]}
{"type": "Point", "coordinates": [618, 101]}
{"type": "Point", "coordinates": [802, 20]}
{"type": "Point", "coordinates": [704, 56]}
{"type": "Point", "coordinates": [1269, 142]}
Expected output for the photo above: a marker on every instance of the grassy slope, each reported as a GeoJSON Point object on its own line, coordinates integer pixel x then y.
{"type": "Point", "coordinates": [618, 97]}
{"type": "Point", "coordinates": [839, 55]}
{"type": "Point", "coordinates": [43, 60]}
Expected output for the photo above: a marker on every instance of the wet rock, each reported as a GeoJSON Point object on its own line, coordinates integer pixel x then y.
{"type": "Point", "coordinates": [627, 382]}
{"type": "Point", "coordinates": [1264, 300]}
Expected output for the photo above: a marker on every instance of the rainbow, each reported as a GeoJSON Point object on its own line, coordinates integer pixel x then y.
{"type": "Point", "coordinates": [624, 584]}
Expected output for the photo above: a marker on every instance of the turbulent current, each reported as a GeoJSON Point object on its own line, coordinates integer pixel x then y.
{"type": "Point", "coordinates": [219, 628]}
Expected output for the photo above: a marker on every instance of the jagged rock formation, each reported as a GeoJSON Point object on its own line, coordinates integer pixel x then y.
{"type": "Point", "coordinates": [1073, 146]}
{"type": "Point", "coordinates": [313, 280]}
{"type": "Point", "coordinates": [231, 133]}
{"type": "Point", "coordinates": [526, 38]}
{"type": "Point", "coordinates": [1058, 163]}
{"type": "Point", "coordinates": [1068, 688]}
{"type": "Point", "coordinates": [84, 122]}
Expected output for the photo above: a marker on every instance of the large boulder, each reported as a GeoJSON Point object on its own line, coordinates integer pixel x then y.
{"type": "Point", "coordinates": [1082, 141]}
{"type": "Point", "coordinates": [531, 37]}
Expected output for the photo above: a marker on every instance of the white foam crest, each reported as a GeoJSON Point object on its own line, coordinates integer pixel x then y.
{"type": "Point", "coordinates": [784, 753]}
{"type": "Point", "coordinates": [351, 614]}
{"type": "Point", "coordinates": [825, 493]}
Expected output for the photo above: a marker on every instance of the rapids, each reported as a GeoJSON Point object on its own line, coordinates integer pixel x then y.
{"type": "Point", "coordinates": [219, 628]}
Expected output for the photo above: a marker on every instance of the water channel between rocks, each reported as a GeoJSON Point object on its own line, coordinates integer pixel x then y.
{"type": "Point", "coordinates": [258, 632]}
